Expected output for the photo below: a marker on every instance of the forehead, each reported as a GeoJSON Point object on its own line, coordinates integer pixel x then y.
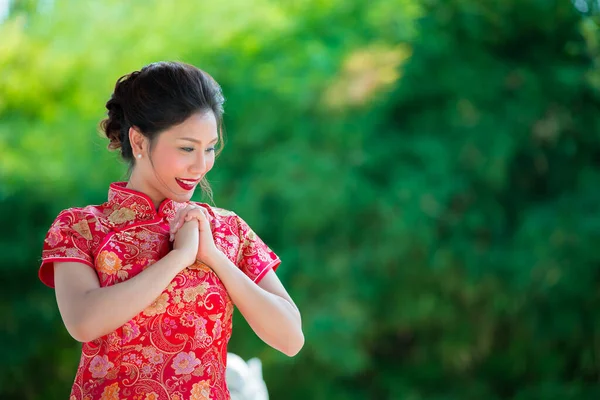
{"type": "Point", "coordinates": [199, 126]}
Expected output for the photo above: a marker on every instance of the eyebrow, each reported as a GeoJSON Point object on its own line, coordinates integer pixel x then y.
{"type": "Point", "coordinates": [198, 141]}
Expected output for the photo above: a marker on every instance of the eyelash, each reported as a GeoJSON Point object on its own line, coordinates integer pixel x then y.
{"type": "Point", "coordinates": [190, 149]}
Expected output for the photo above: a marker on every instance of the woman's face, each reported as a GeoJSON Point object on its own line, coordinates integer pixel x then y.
{"type": "Point", "coordinates": [180, 158]}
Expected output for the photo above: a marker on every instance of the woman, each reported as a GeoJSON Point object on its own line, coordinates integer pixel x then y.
{"type": "Point", "coordinates": [147, 280]}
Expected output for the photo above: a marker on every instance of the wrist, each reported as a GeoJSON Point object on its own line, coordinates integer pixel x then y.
{"type": "Point", "coordinates": [215, 259]}
{"type": "Point", "coordinates": [180, 260]}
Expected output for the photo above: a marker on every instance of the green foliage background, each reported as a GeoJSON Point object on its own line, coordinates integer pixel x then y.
{"type": "Point", "coordinates": [427, 171]}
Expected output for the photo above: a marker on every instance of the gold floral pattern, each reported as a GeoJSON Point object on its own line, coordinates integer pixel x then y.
{"type": "Point", "coordinates": [159, 306]}
{"type": "Point", "coordinates": [176, 347]}
{"type": "Point", "coordinates": [122, 215]}
{"type": "Point", "coordinates": [200, 391]}
{"type": "Point", "coordinates": [83, 229]}
{"type": "Point", "coordinates": [108, 263]}
{"type": "Point", "coordinates": [111, 392]}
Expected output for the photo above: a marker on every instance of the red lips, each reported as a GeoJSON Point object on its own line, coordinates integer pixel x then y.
{"type": "Point", "coordinates": [187, 185]}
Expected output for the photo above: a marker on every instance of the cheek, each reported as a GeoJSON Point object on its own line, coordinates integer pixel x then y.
{"type": "Point", "coordinates": [210, 162]}
{"type": "Point", "coordinates": [168, 161]}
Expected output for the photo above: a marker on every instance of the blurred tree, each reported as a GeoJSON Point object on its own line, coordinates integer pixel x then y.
{"type": "Point", "coordinates": [425, 171]}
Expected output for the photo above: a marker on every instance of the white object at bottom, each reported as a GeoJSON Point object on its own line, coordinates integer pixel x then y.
{"type": "Point", "coordinates": [244, 379]}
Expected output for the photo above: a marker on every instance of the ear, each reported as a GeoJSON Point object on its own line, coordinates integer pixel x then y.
{"type": "Point", "coordinates": [137, 140]}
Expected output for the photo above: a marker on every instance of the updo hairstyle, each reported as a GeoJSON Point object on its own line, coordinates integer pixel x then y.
{"type": "Point", "coordinates": [157, 97]}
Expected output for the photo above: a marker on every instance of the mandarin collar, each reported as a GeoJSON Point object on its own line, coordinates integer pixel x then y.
{"type": "Point", "coordinates": [129, 206]}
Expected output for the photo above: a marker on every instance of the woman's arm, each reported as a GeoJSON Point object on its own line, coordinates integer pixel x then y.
{"type": "Point", "coordinates": [90, 311]}
{"type": "Point", "coordinates": [267, 306]}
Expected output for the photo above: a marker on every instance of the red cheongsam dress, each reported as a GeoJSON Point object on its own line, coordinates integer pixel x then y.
{"type": "Point", "coordinates": [177, 347]}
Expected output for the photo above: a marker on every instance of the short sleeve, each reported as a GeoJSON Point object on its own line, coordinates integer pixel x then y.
{"type": "Point", "coordinates": [68, 239]}
{"type": "Point", "coordinates": [255, 258]}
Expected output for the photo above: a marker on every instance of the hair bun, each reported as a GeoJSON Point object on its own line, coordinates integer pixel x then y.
{"type": "Point", "coordinates": [114, 123]}
{"type": "Point", "coordinates": [115, 126]}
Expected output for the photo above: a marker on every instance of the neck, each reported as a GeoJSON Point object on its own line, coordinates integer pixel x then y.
{"type": "Point", "coordinates": [137, 184]}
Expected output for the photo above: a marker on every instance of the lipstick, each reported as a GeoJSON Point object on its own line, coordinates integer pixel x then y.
{"type": "Point", "coordinates": [187, 184]}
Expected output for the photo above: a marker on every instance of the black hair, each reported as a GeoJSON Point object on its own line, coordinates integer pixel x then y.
{"type": "Point", "coordinates": [157, 97]}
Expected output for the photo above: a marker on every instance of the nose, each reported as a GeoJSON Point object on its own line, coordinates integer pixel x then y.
{"type": "Point", "coordinates": [198, 168]}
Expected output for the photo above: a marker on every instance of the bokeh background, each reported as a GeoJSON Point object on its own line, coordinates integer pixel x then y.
{"type": "Point", "coordinates": [428, 171]}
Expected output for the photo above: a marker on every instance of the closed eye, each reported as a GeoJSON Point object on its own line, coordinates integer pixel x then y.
{"type": "Point", "coordinates": [187, 149]}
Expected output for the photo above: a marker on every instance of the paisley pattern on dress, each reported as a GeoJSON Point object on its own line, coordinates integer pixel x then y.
{"type": "Point", "coordinates": [176, 348]}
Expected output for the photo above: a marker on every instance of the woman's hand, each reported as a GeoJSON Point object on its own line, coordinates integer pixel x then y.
{"type": "Point", "coordinates": [206, 248]}
{"type": "Point", "coordinates": [185, 241]}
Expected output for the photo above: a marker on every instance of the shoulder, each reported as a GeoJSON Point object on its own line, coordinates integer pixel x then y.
{"type": "Point", "coordinates": [76, 214]}
{"type": "Point", "coordinates": [83, 220]}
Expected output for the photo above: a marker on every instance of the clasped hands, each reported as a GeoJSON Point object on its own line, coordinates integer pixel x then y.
{"type": "Point", "coordinates": [190, 233]}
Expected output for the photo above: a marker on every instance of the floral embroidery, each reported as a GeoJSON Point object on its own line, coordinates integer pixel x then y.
{"type": "Point", "coordinates": [130, 331]}
{"type": "Point", "coordinates": [156, 358]}
{"type": "Point", "coordinates": [184, 363]}
{"type": "Point", "coordinates": [122, 215]}
{"type": "Point", "coordinates": [170, 326]}
{"type": "Point", "coordinates": [111, 392]}
{"type": "Point", "coordinates": [177, 298]}
{"type": "Point", "coordinates": [54, 236]}
{"type": "Point", "coordinates": [147, 371]}
{"type": "Point", "coordinates": [190, 294]}
{"type": "Point", "coordinates": [132, 359]}
{"type": "Point", "coordinates": [159, 306]}
{"type": "Point", "coordinates": [217, 329]}
{"type": "Point", "coordinates": [83, 229]}
{"type": "Point", "coordinates": [201, 266]}
{"type": "Point", "coordinates": [200, 391]}
{"type": "Point", "coordinates": [148, 352]}
{"type": "Point", "coordinates": [144, 236]}
{"type": "Point", "coordinates": [200, 335]}
{"type": "Point", "coordinates": [99, 366]}
{"type": "Point", "coordinates": [176, 347]}
{"type": "Point", "coordinates": [109, 263]}
{"type": "Point", "coordinates": [188, 319]}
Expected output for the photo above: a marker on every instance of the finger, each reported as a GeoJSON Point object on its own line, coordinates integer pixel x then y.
{"type": "Point", "coordinates": [180, 218]}
{"type": "Point", "coordinates": [173, 225]}
{"type": "Point", "coordinates": [202, 216]}
{"type": "Point", "coordinates": [193, 215]}
{"type": "Point", "coordinates": [187, 214]}
{"type": "Point", "coordinates": [197, 214]}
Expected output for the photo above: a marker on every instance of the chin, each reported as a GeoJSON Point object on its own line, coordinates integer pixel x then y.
{"type": "Point", "coordinates": [180, 198]}
{"type": "Point", "coordinates": [177, 193]}
{"type": "Point", "coordinates": [183, 197]}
